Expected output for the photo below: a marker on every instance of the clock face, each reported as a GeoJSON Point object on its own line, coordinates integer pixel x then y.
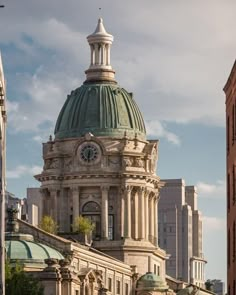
{"type": "Point", "coordinates": [89, 153]}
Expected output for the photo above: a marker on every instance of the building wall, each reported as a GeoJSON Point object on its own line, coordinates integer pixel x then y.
{"type": "Point", "coordinates": [2, 169]}
{"type": "Point", "coordinates": [180, 231]}
{"type": "Point", "coordinates": [230, 91]}
{"type": "Point", "coordinates": [34, 205]}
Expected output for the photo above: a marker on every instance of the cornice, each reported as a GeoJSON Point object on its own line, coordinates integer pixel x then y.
{"type": "Point", "coordinates": [48, 177]}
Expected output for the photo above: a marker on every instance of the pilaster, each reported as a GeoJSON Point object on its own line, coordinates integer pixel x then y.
{"type": "Point", "coordinates": [54, 203]}
{"type": "Point", "coordinates": [127, 216]}
{"type": "Point", "coordinates": [146, 200]}
{"type": "Point", "coordinates": [104, 217]}
{"type": "Point", "coordinates": [141, 215]}
{"type": "Point", "coordinates": [75, 201]}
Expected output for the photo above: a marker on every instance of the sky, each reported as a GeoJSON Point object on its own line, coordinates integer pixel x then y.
{"type": "Point", "coordinates": [175, 56]}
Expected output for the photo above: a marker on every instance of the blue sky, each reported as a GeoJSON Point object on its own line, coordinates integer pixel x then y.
{"type": "Point", "coordinates": [175, 56]}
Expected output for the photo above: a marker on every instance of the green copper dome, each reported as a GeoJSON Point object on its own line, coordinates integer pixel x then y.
{"type": "Point", "coordinates": [29, 251]}
{"type": "Point", "coordinates": [151, 281]}
{"type": "Point", "coordinates": [104, 109]}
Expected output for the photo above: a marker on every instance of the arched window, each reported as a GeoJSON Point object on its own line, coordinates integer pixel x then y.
{"type": "Point", "coordinates": [91, 207]}
{"type": "Point", "coordinates": [92, 211]}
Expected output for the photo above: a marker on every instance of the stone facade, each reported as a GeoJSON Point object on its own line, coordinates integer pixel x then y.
{"type": "Point", "coordinates": [103, 168]}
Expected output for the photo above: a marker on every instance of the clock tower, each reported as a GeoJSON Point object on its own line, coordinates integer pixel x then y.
{"type": "Point", "coordinates": [100, 165]}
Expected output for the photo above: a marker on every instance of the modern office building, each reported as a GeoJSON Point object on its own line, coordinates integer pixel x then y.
{"type": "Point", "coordinates": [230, 92]}
{"type": "Point", "coordinates": [218, 286]}
{"type": "Point", "coordinates": [180, 231]}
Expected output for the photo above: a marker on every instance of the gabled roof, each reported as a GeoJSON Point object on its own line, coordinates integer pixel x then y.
{"type": "Point", "coordinates": [230, 78]}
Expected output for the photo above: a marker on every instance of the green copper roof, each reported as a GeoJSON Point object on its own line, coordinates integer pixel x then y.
{"type": "Point", "coordinates": [30, 251]}
{"type": "Point", "coordinates": [151, 281]}
{"type": "Point", "coordinates": [104, 109]}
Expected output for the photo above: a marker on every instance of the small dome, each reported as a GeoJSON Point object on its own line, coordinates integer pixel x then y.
{"type": "Point", "coordinates": [150, 281]}
{"type": "Point", "coordinates": [26, 251]}
{"type": "Point", "coordinates": [104, 109]}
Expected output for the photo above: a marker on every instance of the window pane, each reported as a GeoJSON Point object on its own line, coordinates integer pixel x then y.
{"type": "Point", "coordinates": [111, 227]}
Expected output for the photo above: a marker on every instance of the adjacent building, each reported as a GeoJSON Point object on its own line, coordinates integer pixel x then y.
{"type": "Point", "coordinates": [2, 170]}
{"type": "Point", "coordinates": [230, 92]}
{"type": "Point", "coordinates": [218, 286]}
{"type": "Point", "coordinates": [180, 231]}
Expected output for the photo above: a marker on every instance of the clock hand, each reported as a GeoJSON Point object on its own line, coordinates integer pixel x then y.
{"type": "Point", "coordinates": [89, 152]}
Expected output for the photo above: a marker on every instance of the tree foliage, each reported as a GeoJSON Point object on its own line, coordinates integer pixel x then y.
{"type": "Point", "coordinates": [48, 224]}
{"type": "Point", "coordinates": [19, 282]}
{"type": "Point", "coordinates": [83, 225]}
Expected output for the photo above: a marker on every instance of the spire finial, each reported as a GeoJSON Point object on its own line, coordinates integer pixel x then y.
{"type": "Point", "coordinates": [100, 43]}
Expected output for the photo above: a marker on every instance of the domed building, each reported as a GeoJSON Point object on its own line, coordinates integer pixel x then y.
{"type": "Point", "coordinates": [100, 165]}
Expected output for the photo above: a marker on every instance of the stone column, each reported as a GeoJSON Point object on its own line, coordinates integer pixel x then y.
{"type": "Point", "coordinates": [136, 215]}
{"type": "Point", "coordinates": [122, 211]}
{"type": "Point", "coordinates": [64, 210]}
{"type": "Point", "coordinates": [92, 54]}
{"type": "Point", "coordinates": [103, 54]}
{"type": "Point", "coordinates": [108, 54]}
{"type": "Point", "coordinates": [151, 218]}
{"type": "Point", "coordinates": [96, 54]}
{"type": "Point", "coordinates": [127, 216]}
{"type": "Point", "coordinates": [156, 219]}
{"type": "Point", "coordinates": [50, 277]}
{"type": "Point", "coordinates": [104, 216]}
{"type": "Point", "coordinates": [54, 203]}
{"type": "Point", "coordinates": [141, 219]}
{"type": "Point", "coordinates": [75, 201]}
{"type": "Point", "coordinates": [119, 215]}
{"type": "Point", "coordinates": [146, 201]}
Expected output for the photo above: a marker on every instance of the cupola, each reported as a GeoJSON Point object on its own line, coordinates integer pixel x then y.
{"type": "Point", "coordinates": [100, 106]}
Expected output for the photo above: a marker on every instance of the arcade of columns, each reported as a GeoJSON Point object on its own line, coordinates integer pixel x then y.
{"type": "Point", "coordinates": [136, 213]}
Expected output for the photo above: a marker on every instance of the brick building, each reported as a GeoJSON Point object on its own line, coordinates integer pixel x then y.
{"type": "Point", "coordinates": [230, 91]}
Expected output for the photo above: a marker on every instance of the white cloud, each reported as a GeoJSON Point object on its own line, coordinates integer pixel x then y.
{"type": "Point", "coordinates": [207, 190]}
{"type": "Point", "coordinates": [22, 170]}
{"type": "Point", "coordinates": [158, 129]}
{"type": "Point", "coordinates": [44, 94]}
{"type": "Point", "coordinates": [213, 224]}
{"type": "Point", "coordinates": [176, 72]}
{"type": "Point", "coordinates": [38, 138]}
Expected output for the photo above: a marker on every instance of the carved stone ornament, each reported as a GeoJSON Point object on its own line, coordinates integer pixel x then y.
{"type": "Point", "coordinates": [127, 162]}
{"type": "Point", "coordinates": [138, 163]}
{"type": "Point", "coordinates": [52, 164]}
{"type": "Point", "coordinates": [68, 164]}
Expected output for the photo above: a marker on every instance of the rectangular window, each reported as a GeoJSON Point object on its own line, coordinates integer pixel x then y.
{"type": "Point", "coordinates": [155, 269]}
{"type": "Point", "coordinates": [158, 270]}
{"type": "Point", "coordinates": [228, 191]}
{"type": "Point", "coordinates": [110, 227]}
{"type": "Point", "coordinates": [110, 284]}
{"type": "Point", "coordinates": [227, 134]}
{"type": "Point", "coordinates": [233, 125]}
{"type": "Point", "coordinates": [233, 180]}
{"type": "Point", "coordinates": [126, 289]}
{"type": "Point", "coordinates": [234, 242]}
{"type": "Point", "coordinates": [117, 287]}
{"type": "Point", "coordinates": [228, 248]}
